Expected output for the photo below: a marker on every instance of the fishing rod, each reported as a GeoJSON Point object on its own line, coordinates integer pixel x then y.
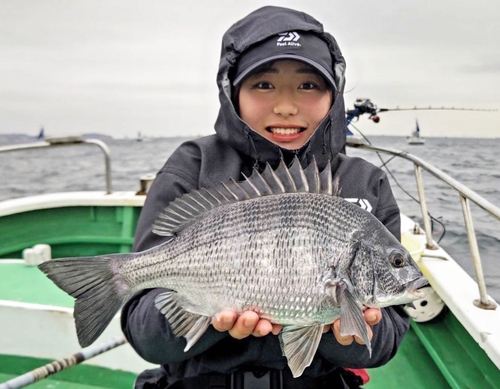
{"type": "Point", "coordinates": [55, 367]}
{"type": "Point", "coordinates": [366, 106]}
{"type": "Point", "coordinates": [385, 163]}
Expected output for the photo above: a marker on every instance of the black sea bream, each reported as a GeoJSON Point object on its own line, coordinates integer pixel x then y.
{"type": "Point", "coordinates": [281, 243]}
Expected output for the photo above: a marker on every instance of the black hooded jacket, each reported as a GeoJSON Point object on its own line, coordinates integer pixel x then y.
{"type": "Point", "coordinates": [234, 149]}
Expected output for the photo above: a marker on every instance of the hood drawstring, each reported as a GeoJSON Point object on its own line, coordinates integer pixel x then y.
{"type": "Point", "coordinates": [253, 151]}
{"type": "Point", "coordinates": [327, 142]}
{"type": "Point", "coordinates": [308, 156]}
{"type": "Point", "coordinates": [323, 145]}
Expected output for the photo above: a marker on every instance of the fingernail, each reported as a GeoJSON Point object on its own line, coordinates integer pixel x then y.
{"type": "Point", "coordinates": [217, 317]}
{"type": "Point", "coordinates": [226, 320]}
{"type": "Point", "coordinates": [372, 317]}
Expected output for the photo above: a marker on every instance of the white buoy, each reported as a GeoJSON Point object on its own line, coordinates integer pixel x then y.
{"type": "Point", "coordinates": [426, 308]}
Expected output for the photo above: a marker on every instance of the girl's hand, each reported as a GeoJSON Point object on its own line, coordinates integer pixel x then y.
{"type": "Point", "coordinates": [372, 317]}
{"type": "Point", "coordinates": [244, 325]}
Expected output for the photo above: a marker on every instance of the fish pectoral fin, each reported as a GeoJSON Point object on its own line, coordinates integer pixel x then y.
{"type": "Point", "coordinates": [352, 320]}
{"type": "Point", "coordinates": [299, 344]}
{"type": "Point", "coordinates": [183, 323]}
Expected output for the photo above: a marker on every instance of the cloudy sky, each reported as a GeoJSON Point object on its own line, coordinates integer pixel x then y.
{"type": "Point", "coordinates": [119, 67]}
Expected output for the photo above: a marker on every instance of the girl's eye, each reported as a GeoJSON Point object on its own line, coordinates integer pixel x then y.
{"type": "Point", "coordinates": [263, 85]}
{"type": "Point", "coordinates": [308, 86]}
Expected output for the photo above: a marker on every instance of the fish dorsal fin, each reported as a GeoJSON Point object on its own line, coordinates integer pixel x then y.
{"type": "Point", "coordinates": [313, 177]}
{"type": "Point", "coordinates": [298, 176]}
{"type": "Point", "coordinates": [184, 210]}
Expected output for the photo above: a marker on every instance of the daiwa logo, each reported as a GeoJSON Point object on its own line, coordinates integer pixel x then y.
{"type": "Point", "coordinates": [363, 203]}
{"type": "Point", "coordinates": [288, 39]}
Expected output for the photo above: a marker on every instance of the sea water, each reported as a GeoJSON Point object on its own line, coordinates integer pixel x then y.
{"type": "Point", "coordinates": [473, 162]}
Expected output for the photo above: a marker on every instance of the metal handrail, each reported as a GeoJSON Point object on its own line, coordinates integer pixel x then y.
{"type": "Point", "coordinates": [466, 194]}
{"type": "Point", "coordinates": [69, 141]}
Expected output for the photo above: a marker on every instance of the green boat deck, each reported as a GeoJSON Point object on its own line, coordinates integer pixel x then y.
{"type": "Point", "coordinates": [437, 354]}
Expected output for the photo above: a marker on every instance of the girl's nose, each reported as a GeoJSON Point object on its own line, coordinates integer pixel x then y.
{"type": "Point", "coordinates": [285, 105]}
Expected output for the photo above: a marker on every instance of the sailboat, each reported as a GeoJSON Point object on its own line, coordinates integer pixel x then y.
{"type": "Point", "coordinates": [41, 134]}
{"type": "Point", "coordinates": [140, 137]}
{"type": "Point", "coordinates": [415, 138]}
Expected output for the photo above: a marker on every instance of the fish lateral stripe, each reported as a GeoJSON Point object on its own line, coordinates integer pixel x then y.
{"type": "Point", "coordinates": [186, 209]}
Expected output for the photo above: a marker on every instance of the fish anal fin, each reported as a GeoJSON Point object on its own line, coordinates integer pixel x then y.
{"type": "Point", "coordinates": [183, 323]}
{"type": "Point", "coordinates": [352, 320]}
{"type": "Point", "coordinates": [299, 345]}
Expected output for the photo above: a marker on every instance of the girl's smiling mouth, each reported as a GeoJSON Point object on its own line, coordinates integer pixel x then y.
{"type": "Point", "coordinates": [285, 133]}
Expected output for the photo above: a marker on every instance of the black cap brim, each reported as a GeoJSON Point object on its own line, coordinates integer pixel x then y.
{"type": "Point", "coordinates": [308, 61]}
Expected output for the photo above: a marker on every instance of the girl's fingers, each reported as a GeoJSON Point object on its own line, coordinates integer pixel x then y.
{"type": "Point", "coordinates": [343, 340]}
{"type": "Point", "coordinates": [348, 339]}
{"type": "Point", "coordinates": [372, 316]}
{"type": "Point", "coordinates": [224, 320]}
{"type": "Point", "coordinates": [248, 323]}
{"type": "Point", "coordinates": [370, 336]}
{"type": "Point", "coordinates": [277, 329]}
{"type": "Point", "coordinates": [244, 326]}
{"type": "Point", "coordinates": [262, 328]}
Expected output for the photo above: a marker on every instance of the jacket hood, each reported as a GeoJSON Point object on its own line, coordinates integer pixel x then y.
{"type": "Point", "coordinates": [329, 138]}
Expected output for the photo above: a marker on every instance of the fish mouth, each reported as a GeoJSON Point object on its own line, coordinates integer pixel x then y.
{"type": "Point", "coordinates": [413, 286]}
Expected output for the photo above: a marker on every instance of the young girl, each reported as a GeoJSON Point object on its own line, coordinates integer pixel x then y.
{"type": "Point", "coordinates": [281, 81]}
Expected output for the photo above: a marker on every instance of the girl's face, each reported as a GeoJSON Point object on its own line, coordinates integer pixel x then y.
{"type": "Point", "coordinates": [285, 103]}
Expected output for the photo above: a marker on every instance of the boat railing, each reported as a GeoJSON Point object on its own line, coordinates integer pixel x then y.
{"type": "Point", "coordinates": [466, 195]}
{"type": "Point", "coordinates": [69, 141]}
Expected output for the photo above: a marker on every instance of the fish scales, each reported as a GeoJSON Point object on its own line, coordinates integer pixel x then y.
{"type": "Point", "coordinates": [241, 255]}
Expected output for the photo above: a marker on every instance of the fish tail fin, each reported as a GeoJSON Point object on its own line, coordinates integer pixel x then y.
{"type": "Point", "coordinates": [97, 286]}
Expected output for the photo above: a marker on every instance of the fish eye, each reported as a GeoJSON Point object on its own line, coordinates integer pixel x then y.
{"type": "Point", "coordinates": [397, 259]}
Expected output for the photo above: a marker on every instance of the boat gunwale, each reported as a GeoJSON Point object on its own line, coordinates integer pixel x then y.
{"type": "Point", "coordinates": [459, 293]}
{"type": "Point", "coordinates": [70, 199]}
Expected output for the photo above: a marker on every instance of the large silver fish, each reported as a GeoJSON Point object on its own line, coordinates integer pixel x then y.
{"type": "Point", "coordinates": [281, 243]}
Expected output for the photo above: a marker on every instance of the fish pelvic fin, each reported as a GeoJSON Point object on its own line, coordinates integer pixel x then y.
{"type": "Point", "coordinates": [184, 210]}
{"type": "Point", "coordinates": [99, 290]}
{"type": "Point", "coordinates": [183, 323]}
{"type": "Point", "coordinates": [352, 320]}
{"type": "Point", "coordinates": [299, 345]}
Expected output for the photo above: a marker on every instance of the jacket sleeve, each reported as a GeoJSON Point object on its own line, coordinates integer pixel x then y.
{"type": "Point", "coordinates": [389, 332]}
{"type": "Point", "coordinates": [144, 326]}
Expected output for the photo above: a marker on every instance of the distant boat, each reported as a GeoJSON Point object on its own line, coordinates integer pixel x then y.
{"type": "Point", "coordinates": [41, 135]}
{"type": "Point", "coordinates": [140, 137]}
{"type": "Point", "coordinates": [415, 138]}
